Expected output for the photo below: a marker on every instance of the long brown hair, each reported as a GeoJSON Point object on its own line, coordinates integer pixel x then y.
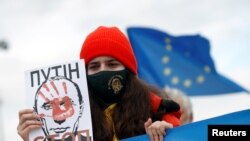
{"type": "Point", "coordinates": [129, 115]}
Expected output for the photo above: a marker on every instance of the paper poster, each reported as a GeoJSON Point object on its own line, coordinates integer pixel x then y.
{"type": "Point", "coordinates": [59, 95]}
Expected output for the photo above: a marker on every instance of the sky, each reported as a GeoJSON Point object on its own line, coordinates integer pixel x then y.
{"type": "Point", "coordinates": [45, 31]}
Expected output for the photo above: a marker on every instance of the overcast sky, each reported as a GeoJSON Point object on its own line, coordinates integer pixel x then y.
{"type": "Point", "coordinates": [52, 31]}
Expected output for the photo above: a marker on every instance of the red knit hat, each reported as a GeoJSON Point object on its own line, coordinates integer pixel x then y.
{"type": "Point", "coordinates": [109, 41]}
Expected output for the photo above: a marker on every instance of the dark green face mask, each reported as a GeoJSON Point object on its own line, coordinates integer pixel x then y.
{"type": "Point", "coordinates": [108, 86]}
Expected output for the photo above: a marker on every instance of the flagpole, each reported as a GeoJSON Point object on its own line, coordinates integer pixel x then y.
{"type": "Point", "coordinates": [1, 122]}
{"type": "Point", "coordinates": [3, 46]}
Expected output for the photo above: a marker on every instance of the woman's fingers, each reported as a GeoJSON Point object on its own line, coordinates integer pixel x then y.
{"type": "Point", "coordinates": [25, 111]}
{"type": "Point", "coordinates": [157, 129]}
{"type": "Point", "coordinates": [148, 123]}
{"type": "Point", "coordinates": [28, 121]}
{"type": "Point", "coordinates": [148, 131]}
{"type": "Point", "coordinates": [155, 134]}
{"type": "Point", "coordinates": [25, 132]}
{"type": "Point", "coordinates": [162, 126]}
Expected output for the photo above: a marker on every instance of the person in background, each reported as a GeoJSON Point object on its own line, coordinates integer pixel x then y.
{"type": "Point", "coordinates": [122, 105]}
{"type": "Point", "coordinates": [185, 104]}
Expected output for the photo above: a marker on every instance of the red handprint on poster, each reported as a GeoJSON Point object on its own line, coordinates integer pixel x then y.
{"type": "Point", "coordinates": [61, 103]}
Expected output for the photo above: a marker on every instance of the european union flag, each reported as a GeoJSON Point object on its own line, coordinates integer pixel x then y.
{"type": "Point", "coordinates": [181, 62]}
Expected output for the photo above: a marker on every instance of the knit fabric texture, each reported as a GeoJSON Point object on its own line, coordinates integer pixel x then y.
{"type": "Point", "coordinates": [109, 41]}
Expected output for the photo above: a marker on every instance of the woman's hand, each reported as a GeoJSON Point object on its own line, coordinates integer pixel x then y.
{"type": "Point", "coordinates": [157, 129]}
{"type": "Point", "coordinates": [28, 121]}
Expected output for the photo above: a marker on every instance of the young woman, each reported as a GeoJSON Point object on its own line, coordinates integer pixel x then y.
{"type": "Point", "coordinates": [122, 105]}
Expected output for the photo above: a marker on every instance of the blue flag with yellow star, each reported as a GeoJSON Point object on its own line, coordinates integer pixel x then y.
{"type": "Point", "coordinates": [182, 62]}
